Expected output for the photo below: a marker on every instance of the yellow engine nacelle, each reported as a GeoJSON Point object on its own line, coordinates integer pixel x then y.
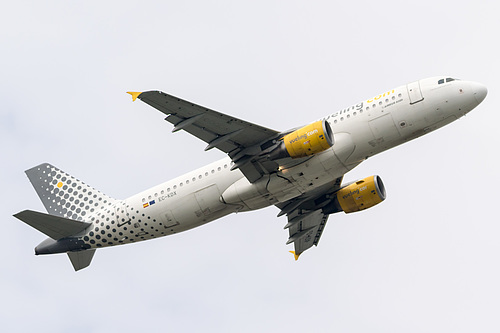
{"type": "Point", "coordinates": [308, 140]}
{"type": "Point", "coordinates": [361, 195]}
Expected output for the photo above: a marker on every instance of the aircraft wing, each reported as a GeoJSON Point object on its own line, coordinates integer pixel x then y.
{"type": "Point", "coordinates": [305, 230]}
{"type": "Point", "coordinates": [306, 217]}
{"type": "Point", "coordinates": [240, 139]}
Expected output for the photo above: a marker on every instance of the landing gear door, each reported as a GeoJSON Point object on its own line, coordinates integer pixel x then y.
{"type": "Point", "coordinates": [414, 92]}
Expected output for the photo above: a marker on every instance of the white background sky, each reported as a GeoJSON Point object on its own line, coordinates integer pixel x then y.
{"type": "Point", "coordinates": [425, 260]}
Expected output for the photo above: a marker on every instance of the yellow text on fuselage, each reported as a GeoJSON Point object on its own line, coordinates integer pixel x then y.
{"type": "Point", "coordinates": [380, 96]}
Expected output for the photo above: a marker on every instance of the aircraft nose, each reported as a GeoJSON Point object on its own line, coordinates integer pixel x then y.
{"type": "Point", "coordinates": [480, 91]}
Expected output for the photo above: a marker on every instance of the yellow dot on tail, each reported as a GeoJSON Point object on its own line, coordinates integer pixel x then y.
{"type": "Point", "coordinates": [59, 184]}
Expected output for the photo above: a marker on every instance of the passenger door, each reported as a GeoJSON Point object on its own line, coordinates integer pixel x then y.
{"type": "Point", "coordinates": [414, 92]}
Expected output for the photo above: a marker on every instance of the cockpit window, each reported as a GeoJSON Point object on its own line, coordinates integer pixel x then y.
{"type": "Point", "coordinates": [448, 79]}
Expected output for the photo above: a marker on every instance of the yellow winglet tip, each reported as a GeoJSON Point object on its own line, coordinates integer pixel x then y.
{"type": "Point", "coordinates": [134, 95]}
{"type": "Point", "coordinates": [295, 255]}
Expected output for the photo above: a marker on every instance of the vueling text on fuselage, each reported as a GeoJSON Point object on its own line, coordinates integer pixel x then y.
{"type": "Point", "coordinates": [359, 107]}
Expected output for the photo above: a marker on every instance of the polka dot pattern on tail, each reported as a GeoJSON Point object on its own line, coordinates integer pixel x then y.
{"type": "Point", "coordinates": [64, 195]}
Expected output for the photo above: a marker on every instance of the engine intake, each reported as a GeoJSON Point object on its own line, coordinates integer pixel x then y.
{"type": "Point", "coordinates": [305, 141]}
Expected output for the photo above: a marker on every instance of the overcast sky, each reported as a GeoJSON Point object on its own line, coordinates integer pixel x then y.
{"type": "Point", "coordinates": [425, 260]}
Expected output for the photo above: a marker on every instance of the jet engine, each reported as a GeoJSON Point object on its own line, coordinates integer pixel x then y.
{"type": "Point", "coordinates": [305, 141]}
{"type": "Point", "coordinates": [360, 195]}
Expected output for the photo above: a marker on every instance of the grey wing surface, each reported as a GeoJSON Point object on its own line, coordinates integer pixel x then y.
{"type": "Point", "coordinates": [306, 216]}
{"type": "Point", "coordinates": [240, 139]}
{"type": "Point", "coordinates": [305, 230]}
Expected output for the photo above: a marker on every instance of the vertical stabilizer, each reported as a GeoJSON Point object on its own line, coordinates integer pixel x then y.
{"type": "Point", "coordinates": [64, 195]}
{"type": "Point", "coordinates": [81, 259]}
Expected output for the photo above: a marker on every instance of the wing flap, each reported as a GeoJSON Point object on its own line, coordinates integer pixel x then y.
{"type": "Point", "coordinates": [55, 227]}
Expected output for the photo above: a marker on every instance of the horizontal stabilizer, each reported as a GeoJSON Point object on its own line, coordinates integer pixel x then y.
{"type": "Point", "coordinates": [55, 227]}
{"type": "Point", "coordinates": [81, 259]}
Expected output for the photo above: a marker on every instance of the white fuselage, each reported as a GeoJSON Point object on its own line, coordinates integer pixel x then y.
{"type": "Point", "coordinates": [360, 131]}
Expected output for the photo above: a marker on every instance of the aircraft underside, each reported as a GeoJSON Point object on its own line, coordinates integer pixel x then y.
{"type": "Point", "coordinates": [299, 171]}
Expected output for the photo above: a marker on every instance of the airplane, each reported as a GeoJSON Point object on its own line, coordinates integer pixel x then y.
{"type": "Point", "coordinates": [300, 171]}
